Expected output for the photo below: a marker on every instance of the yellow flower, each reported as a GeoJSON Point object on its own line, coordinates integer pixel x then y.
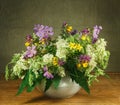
{"type": "Point", "coordinates": [83, 37]}
{"type": "Point", "coordinates": [78, 65]}
{"type": "Point", "coordinates": [69, 28]}
{"type": "Point", "coordinates": [75, 46]}
{"type": "Point", "coordinates": [85, 64]}
{"type": "Point", "coordinates": [42, 41]}
{"type": "Point", "coordinates": [27, 44]}
{"type": "Point", "coordinates": [72, 45]}
{"type": "Point", "coordinates": [55, 61]}
{"type": "Point", "coordinates": [78, 47]}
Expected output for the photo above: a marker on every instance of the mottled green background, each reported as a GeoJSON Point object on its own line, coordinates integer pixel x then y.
{"type": "Point", "coordinates": [17, 18]}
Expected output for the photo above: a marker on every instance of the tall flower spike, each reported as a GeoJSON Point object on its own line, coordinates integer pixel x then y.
{"type": "Point", "coordinates": [96, 32]}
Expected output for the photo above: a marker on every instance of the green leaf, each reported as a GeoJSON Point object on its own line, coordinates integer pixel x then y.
{"type": "Point", "coordinates": [30, 88]}
{"type": "Point", "coordinates": [48, 84]}
{"type": "Point", "coordinates": [23, 84]}
{"type": "Point", "coordinates": [56, 81]}
{"type": "Point", "coordinates": [77, 75]}
{"type": "Point", "coordinates": [36, 81]}
{"type": "Point", "coordinates": [81, 80]}
{"type": "Point", "coordinates": [6, 72]}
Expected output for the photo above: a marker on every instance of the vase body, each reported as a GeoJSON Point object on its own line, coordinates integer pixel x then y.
{"type": "Point", "coordinates": [67, 88]}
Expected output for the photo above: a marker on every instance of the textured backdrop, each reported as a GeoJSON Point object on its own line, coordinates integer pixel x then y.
{"type": "Point", "coordinates": [17, 18]}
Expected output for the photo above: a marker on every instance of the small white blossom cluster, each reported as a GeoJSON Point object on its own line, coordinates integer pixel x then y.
{"type": "Point", "coordinates": [61, 45]}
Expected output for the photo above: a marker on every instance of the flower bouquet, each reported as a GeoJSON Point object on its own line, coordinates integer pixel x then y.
{"type": "Point", "coordinates": [80, 55]}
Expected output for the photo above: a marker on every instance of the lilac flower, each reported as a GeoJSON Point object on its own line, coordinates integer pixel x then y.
{"type": "Point", "coordinates": [45, 68]}
{"type": "Point", "coordinates": [48, 75]}
{"type": "Point", "coordinates": [84, 58]}
{"type": "Point", "coordinates": [31, 51]}
{"type": "Point", "coordinates": [43, 31]}
{"type": "Point", "coordinates": [73, 32]}
{"type": "Point", "coordinates": [96, 32]}
{"type": "Point", "coordinates": [85, 31]}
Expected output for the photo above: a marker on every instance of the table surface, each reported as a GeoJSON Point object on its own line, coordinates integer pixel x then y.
{"type": "Point", "coordinates": [104, 92]}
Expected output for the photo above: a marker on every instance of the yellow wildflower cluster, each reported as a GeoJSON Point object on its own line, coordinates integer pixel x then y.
{"type": "Point", "coordinates": [55, 61]}
{"type": "Point", "coordinates": [75, 46]}
{"type": "Point", "coordinates": [83, 64]}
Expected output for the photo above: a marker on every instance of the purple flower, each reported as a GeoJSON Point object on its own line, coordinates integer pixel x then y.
{"type": "Point", "coordinates": [61, 62]}
{"type": "Point", "coordinates": [31, 51]}
{"type": "Point", "coordinates": [45, 68]}
{"type": "Point", "coordinates": [96, 32]}
{"type": "Point", "coordinates": [73, 32]}
{"type": "Point", "coordinates": [48, 75]}
{"type": "Point", "coordinates": [85, 31]}
{"type": "Point", "coordinates": [84, 58]}
{"type": "Point", "coordinates": [28, 38]}
{"type": "Point", "coordinates": [43, 31]}
{"type": "Point", "coordinates": [64, 24]}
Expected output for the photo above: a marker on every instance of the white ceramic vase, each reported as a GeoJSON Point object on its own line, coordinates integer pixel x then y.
{"type": "Point", "coordinates": [66, 89]}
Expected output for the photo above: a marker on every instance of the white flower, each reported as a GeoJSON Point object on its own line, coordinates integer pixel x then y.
{"type": "Point", "coordinates": [100, 44]}
{"type": "Point", "coordinates": [61, 48]}
{"type": "Point", "coordinates": [20, 65]}
{"type": "Point", "coordinates": [47, 58]}
{"type": "Point", "coordinates": [61, 71]}
{"type": "Point", "coordinates": [61, 53]}
{"type": "Point", "coordinates": [61, 43]}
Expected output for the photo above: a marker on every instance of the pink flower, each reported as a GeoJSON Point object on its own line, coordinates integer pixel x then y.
{"type": "Point", "coordinates": [31, 51]}
{"type": "Point", "coordinates": [48, 75]}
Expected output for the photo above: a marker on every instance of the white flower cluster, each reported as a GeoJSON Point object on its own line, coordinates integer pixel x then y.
{"type": "Point", "coordinates": [20, 66]}
{"type": "Point", "coordinates": [47, 58]}
{"type": "Point", "coordinates": [61, 48]}
{"type": "Point", "coordinates": [98, 54]}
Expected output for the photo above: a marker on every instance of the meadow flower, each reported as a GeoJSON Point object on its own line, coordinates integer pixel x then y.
{"type": "Point", "coordinates": [96, 32]}
{"type": "Point", "coordinates": [31, 51]}
{"type": "Point", "coordinates": [47, 58]}
{"type": "Point", "coordinates": [43, 31]}
{"type": "Point", "coordinates": [85, 31]}
{"type": "Point", "coordinates": [48, 75]}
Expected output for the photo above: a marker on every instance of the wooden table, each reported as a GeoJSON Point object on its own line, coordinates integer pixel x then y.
{"type": "Point", "coordinates": [105, 92]}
